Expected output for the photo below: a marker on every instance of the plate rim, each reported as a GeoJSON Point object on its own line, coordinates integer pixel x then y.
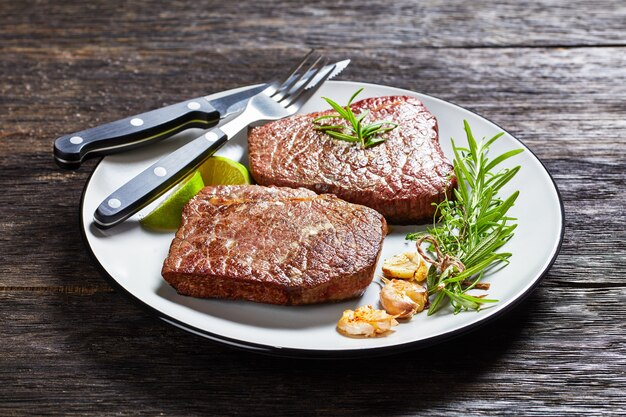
{"type": "Point", "coordinates": [281, 351]}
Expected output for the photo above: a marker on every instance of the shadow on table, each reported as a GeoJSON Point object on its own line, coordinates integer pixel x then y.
{"type": "Point", "coordinates": [141, 360]}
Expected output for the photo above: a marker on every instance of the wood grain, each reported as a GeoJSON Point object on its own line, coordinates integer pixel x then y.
{"type": "Point", "coordinates": [551, 73]}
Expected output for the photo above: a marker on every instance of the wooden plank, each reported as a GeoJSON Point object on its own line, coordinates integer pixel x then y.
{"type": "Point", "coordinates": [328, 24]}
{"type": "Point", "coordinates": [144, 363]}
{"type": "Point", "coordinates": [556, 95]}
{"type": "Point", "coordinates": [540, 355]}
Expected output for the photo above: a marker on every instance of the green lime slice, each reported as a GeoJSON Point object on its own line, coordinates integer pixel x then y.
{"type": "Point", "coordinates": [167, 215]}
{"type": "Point", "coordinates": [218, 170]}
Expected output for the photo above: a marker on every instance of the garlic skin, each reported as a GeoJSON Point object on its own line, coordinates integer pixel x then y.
{"type": "Point", "coordinates": [365, 321]}
{"type": "Point", "coordinates": [403, 299]}
{"type": "Point", "coordinates": [407, 265]}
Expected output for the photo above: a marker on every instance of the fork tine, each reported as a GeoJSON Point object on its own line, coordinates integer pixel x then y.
{"type": "Point", "coordinates": [299, 97]}
{"type": "Point", "coordinates": [294, 73]}
{"type": "Point", "coordinates": [292, 85]}
{"type": "Point", "coordinates": [275, 84]}
{"type": "Point", "coordinates": [294, 69]}
{"type": "Point", "coordinates": [306, 78]}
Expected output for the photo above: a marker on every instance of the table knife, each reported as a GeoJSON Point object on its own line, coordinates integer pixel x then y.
{"type": "Point", "coordinates": [201, 112]}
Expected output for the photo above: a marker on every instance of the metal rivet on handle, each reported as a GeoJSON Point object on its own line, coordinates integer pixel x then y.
{"type": "Point", "coordinates": [136, 121]}
{"type": "Point", "coordinates": [76, 140]}
{"type": "Point", "coordinates": [160, 171]}
{"type": "Point", "coordinates": [193, 105]}
{"type": "Point", "coordinates": [114, 203]}
{"type": "Point", "coordinates": [211, 136]}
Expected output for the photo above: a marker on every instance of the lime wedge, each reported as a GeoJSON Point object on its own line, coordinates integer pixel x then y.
{"type": "Point", "coordinates": [167, 215]}
{"type": "Point", "coordinates": [218, 170]}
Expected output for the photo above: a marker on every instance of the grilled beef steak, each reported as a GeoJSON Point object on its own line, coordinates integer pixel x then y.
{"type": "Point", "coordinates": [274, 245]}
{"type": "Point", "coordinates": [399, 178]}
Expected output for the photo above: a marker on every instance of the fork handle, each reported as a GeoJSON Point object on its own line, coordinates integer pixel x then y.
{"type": "Point", "coordinates": [157, 179]}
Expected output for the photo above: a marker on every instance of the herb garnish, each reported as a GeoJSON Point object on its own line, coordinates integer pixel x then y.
{"type": "Point", "coordinates": [472, 226]}
{"type": "Point", "coordinates": [366, 135]}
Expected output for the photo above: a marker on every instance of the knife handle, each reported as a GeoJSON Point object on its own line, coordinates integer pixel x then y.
{"type": "Point", "coordinates": [157, 179]}
{"type": "Point", "coordinates": [71, 150]}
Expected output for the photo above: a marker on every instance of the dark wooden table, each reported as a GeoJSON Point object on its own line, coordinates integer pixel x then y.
{"type": "Point", "coordinates": [552, 73]}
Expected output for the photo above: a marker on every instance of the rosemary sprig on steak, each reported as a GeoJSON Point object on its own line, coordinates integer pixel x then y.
{"type": "Point", "coordinates": [471, 229]}
{"type": "Point", "coordinates": [366, 135]}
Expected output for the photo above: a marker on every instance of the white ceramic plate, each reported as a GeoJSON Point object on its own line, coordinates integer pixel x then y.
{"type": "Point", "coordinates": [132, 257]}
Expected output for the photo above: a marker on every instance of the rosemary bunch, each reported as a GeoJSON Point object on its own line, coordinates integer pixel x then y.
{"type": "Point", "coordinates": [366, 135]}
{"type": "Point", "coordinates": [463, 245]}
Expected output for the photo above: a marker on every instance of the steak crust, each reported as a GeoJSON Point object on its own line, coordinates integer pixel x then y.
{"type": "Point", "coordinates": [274, 245]}
{"type": "Point", "coordinates": [399, 178]}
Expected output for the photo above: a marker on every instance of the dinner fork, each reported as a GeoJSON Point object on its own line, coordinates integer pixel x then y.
{"type": "Point", "coordinates": [278, 100]}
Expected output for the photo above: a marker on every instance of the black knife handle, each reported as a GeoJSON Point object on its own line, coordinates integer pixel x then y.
{"type": "Point", "coordinates": [71, 150]}
{"type": "Point", "coordinates": [157, 179]}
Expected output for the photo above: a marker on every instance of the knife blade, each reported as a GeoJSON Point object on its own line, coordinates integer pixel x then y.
{"type": "Point", "coordinates": [162, 175]}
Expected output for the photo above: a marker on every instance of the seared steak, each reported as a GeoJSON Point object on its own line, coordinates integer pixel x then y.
{"type": "Point", "coordinates": [274, 245]}
{"type": "Point", "coordinates": [399, 178]}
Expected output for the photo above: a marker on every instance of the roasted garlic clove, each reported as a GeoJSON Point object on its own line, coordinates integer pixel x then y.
{"type": "Point", "coordinates": [408, 265]}
{"type": "Point", "coordinates": [365, 321]}
{"type": "Point", "coordinates": [403, 299]}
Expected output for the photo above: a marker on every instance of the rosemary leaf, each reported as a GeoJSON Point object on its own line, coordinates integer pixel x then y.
{"type": "Point", "coordinates": [330, 127]}
{"type": "Point", "coordinates": [501, 158]}
{"type": "Point", "coordinates": [341, 136]}
{"type": "Point", "coordinates": [367, 135]}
